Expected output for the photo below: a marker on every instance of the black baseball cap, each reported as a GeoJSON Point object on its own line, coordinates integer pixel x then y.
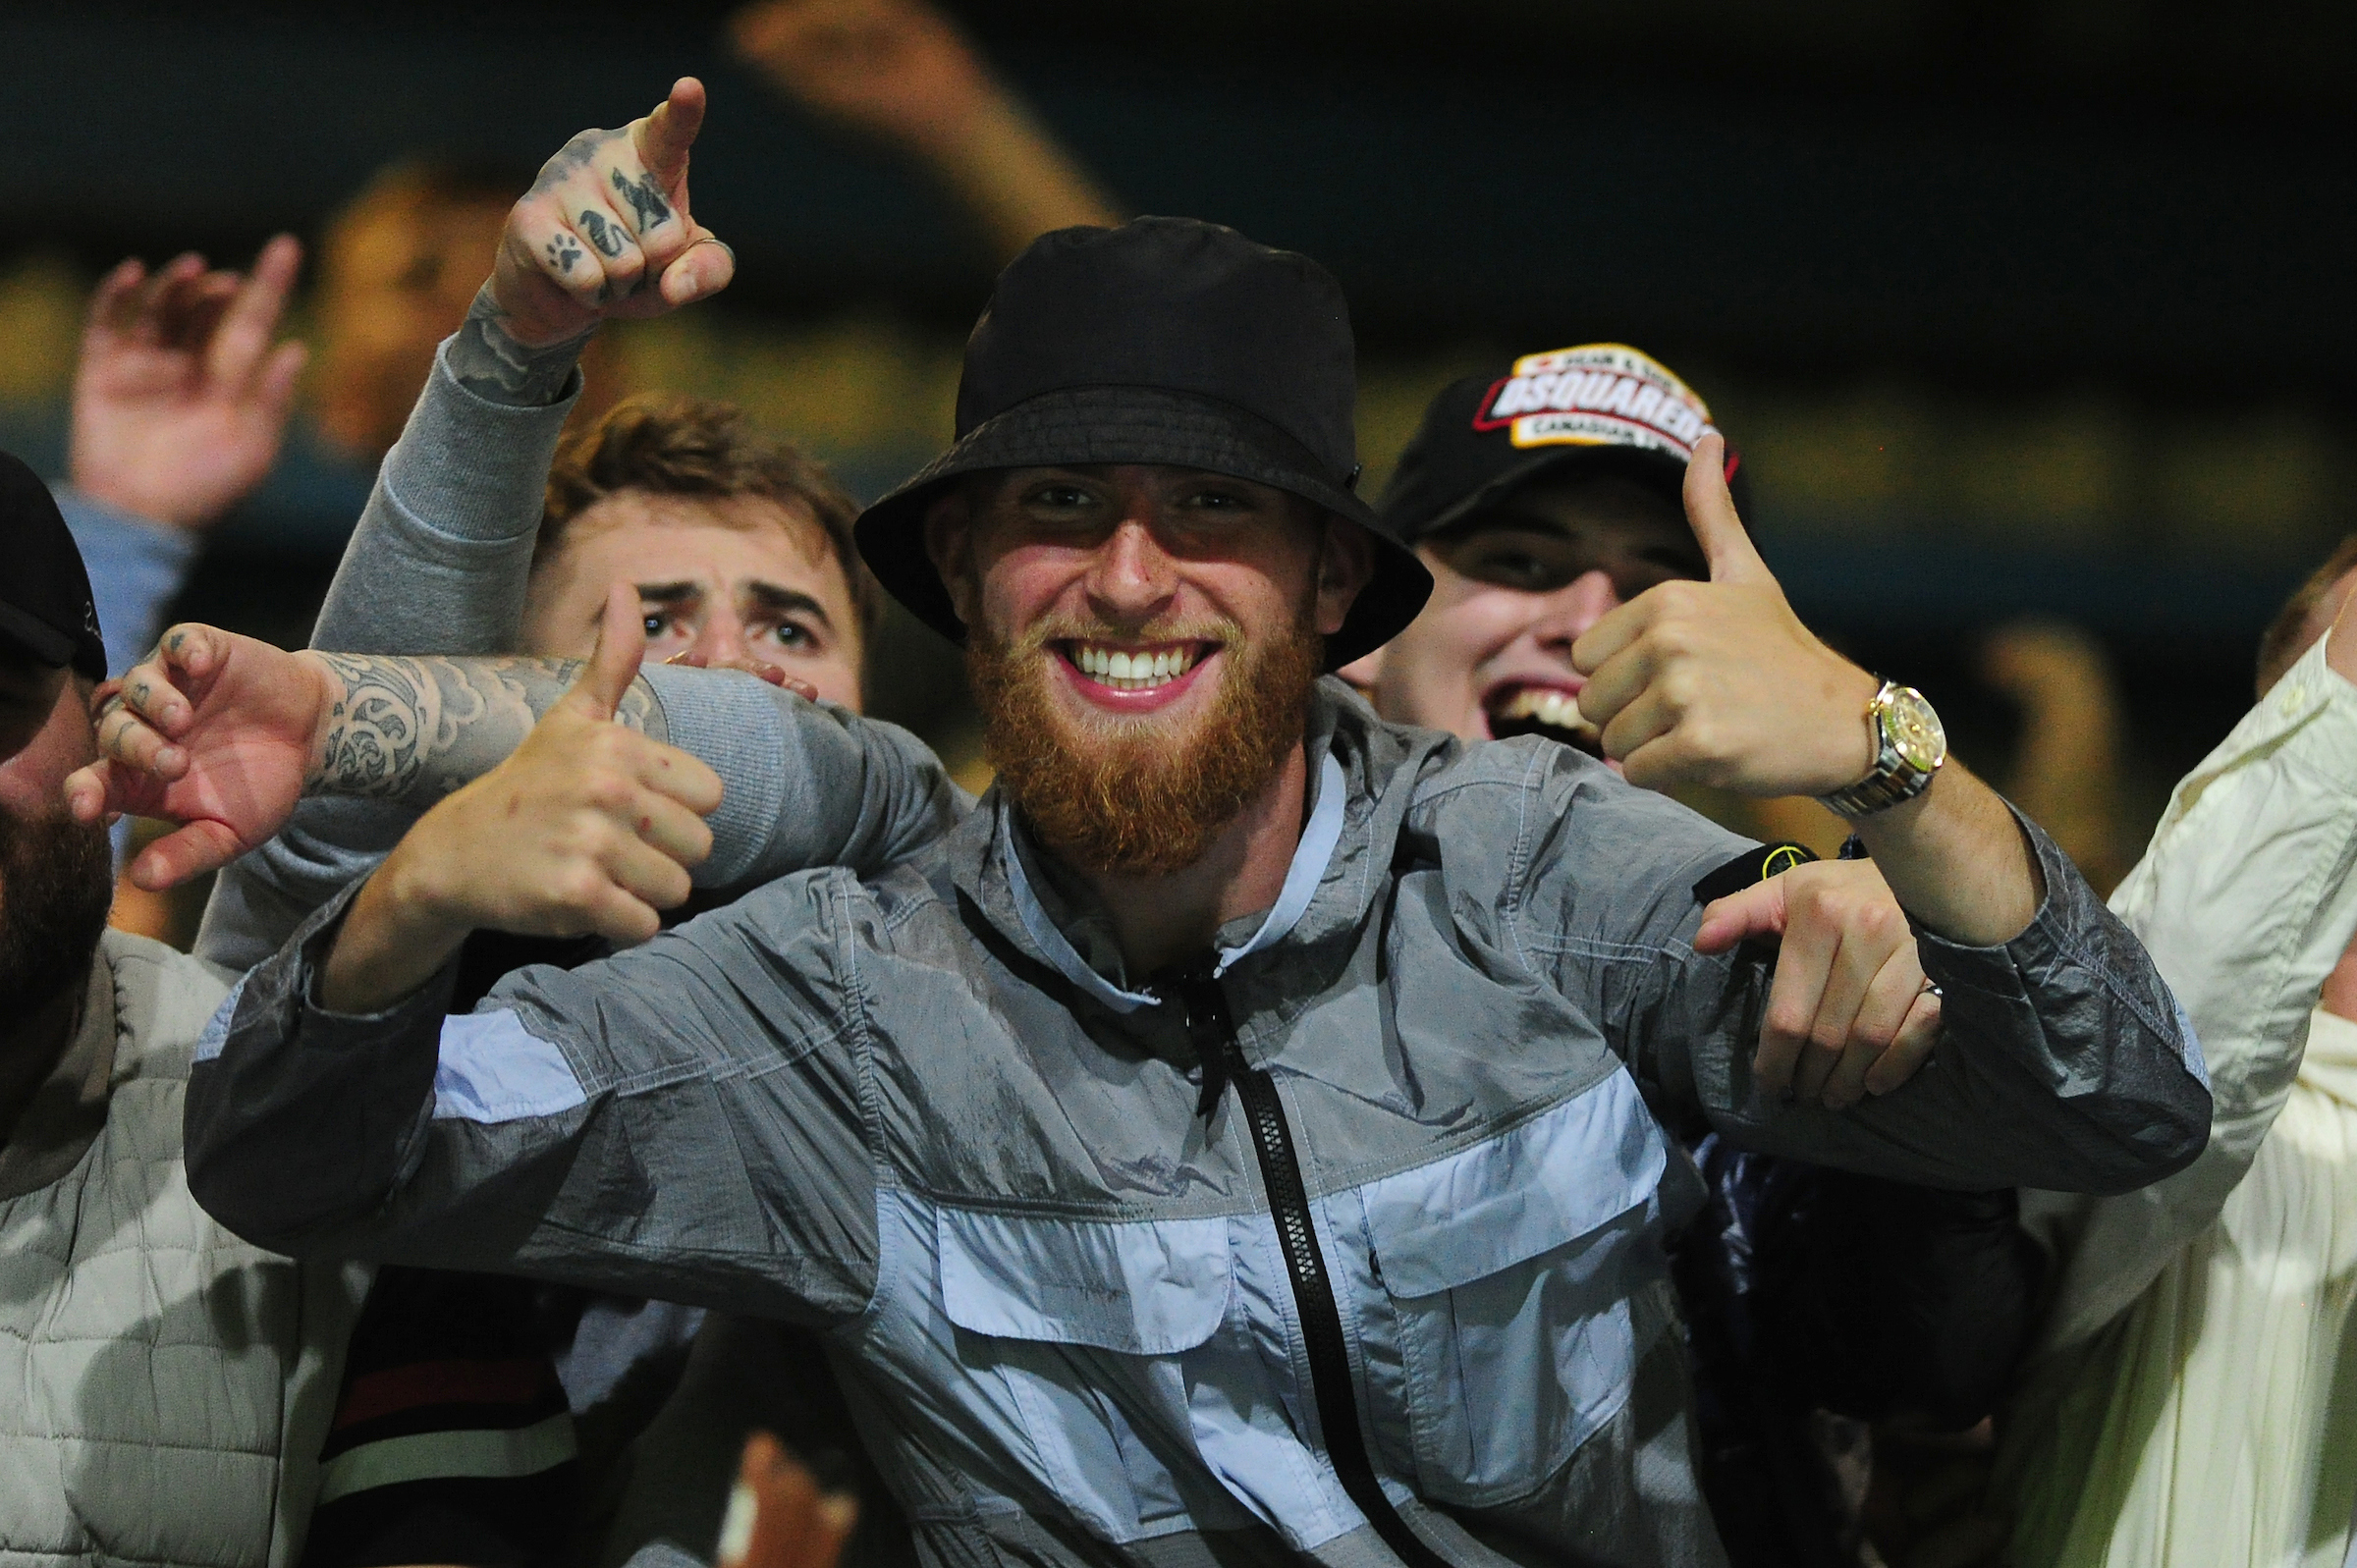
{"type": "Point", "coordinates": [1595, 407]}
{"type": "Point", "coordinates": [45, 607]}
{"type": "Point", "coordinates": [1165, 340]}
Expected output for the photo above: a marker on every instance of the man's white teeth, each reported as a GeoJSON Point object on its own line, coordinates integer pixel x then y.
{"type": "Point", "coordinates": [1560, 709]}
{"type": "Point", "coordinates": [1132, 672]}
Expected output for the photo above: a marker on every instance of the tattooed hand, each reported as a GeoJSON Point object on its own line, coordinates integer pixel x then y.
{"type": "Point", "coordinates": [605, 231]}
{"type": "Point", "coordinates": [224, 735]}
{"type": "Point", "coordinates": [213, 731]}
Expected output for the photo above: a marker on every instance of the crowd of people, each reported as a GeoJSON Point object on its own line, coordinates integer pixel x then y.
{"type": "Point", "coordinates": [1328, 1100]}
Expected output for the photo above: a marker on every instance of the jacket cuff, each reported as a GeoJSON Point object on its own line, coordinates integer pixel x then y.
{"type": "Point", "coordinates": [304, 958]}
{"type": "Point", "coordinates": [2068, 906]}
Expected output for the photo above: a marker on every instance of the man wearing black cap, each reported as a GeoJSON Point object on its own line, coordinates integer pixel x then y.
{"type": "Point", "coordinates": [1232, 1137]}
{"type": "Point", "coordinates": [163, 1385]}
{"type": "Point", "coordinates": [1543, 495]}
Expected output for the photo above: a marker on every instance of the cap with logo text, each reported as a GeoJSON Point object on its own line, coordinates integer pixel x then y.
{"type": "Point", "coordinates": [1599, 407]}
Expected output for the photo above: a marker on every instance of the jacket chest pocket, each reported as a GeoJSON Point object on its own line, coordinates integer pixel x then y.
{"type": "Point", "coordinates": [1069, 1334]}
{"type": "Point", "coordinates": [1506, 1271]}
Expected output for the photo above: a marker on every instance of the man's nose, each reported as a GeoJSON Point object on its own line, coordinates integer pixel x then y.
{"type": "Point", "coordinates": [1131, 576]}
{"type": "Point", "coordinates": [1573, 607]}
{"type": "Point", "coordinates": [721, 636]}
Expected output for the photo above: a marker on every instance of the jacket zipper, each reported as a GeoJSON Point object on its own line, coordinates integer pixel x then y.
{"type": "Point", "coordinates": [1213, 1033]}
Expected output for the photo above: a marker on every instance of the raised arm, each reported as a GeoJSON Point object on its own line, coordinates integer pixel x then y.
{"type": "Point", "coordinates": [2247, 897]}
{"type": "Point", "coordinates": [181, 398]}
{"type": "Point", "coordinates": [442, 555]}
{"type": "Point", "coordinates": [900, 72]}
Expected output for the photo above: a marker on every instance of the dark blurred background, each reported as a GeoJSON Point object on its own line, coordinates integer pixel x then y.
{"type": "Point", "coordinates": [2017, 308]}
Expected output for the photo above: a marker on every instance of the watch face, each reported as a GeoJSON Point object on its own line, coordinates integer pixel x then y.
{"type": "Point", "coordinates": [1915, 730]}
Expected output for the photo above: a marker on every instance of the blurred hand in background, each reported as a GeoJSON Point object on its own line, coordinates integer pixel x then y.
{"type": "Point", "coordinates": [900, 72]}
{"type": "Point", "coordinates": [183, 390]}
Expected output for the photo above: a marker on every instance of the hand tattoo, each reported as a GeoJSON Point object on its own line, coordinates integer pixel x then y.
{"type": "Point", "coordinates": [578, 153]}
{"type": "Point", "coordinates": [645, 199]}
{"type": "Point", "coordinates": [607, 237]}
{"type": "Point", "coordinates": [412, 731]}
{"type": "Point", "coordinates": [494, 366]}
{"type": "Point", "coordinates": [563, 253]}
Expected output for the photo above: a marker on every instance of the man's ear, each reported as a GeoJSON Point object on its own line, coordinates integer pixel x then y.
{"type": "Point", "coordinates": [1345, 565]}
{"type": "Point", "coordinates": [950, 545]}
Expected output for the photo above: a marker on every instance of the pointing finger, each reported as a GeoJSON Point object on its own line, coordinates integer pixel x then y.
{"type": "Point", "coordinates": [663, 139]}
{"type": "Point", "coordinates": [1711, 513]}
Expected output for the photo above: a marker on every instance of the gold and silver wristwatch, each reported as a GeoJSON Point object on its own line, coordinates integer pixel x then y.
{"type": "Point", "coordinates": [1909, 747]}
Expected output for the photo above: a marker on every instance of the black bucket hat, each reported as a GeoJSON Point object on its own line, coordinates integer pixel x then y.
{"type": "Point", "coordinates": [45, 607]}
{"type": "Point", "coordinates": [1164, 341]}
{"type": "Point", "coordinates": [1596, 405]}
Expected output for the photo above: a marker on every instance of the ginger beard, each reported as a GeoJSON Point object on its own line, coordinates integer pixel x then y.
{"type": "Point", "coordinates": [1132, 796]}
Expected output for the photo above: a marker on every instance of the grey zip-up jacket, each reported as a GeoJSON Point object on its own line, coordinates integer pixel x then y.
{"type": "Point", "coordinates": [928, 1114]}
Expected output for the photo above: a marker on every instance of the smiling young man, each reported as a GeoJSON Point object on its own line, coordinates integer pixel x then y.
{"type": "Point", "coordinates": [1544, 493]}
{"type": "Point", "coordinates": [1234, 1135]}
{"type": "Point", "coordinates": [1542, 497]}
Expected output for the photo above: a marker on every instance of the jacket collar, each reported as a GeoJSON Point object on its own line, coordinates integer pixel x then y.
{"type": "Point", "coordinates": [1319, 837]}
{"type": "Point", "coordinates": [1353, 818]}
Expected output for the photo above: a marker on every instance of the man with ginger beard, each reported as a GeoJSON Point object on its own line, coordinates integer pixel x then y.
{"type": "Point", "coordinates": [1238, 1135]}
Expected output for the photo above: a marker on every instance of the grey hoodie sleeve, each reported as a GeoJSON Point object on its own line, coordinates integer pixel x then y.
{"type": "Point", "coordinates": [2064, 1062]}
{"type": "Point", "coordinates": [437, 564]}
{"type": "Point", "coordinates": [687, 1119]}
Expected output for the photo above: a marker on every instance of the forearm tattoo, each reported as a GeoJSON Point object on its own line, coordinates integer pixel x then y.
{"type": "Point", "coordinates": [412, 731]}
{"type": "Point", "coordinates": [493, 365]}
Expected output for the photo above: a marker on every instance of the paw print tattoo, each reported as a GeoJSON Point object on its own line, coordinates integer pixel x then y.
{"type": "Point", "coordinates": [607, 237]}
{"type": "Point", "coordinates": [563, 253]}
{"type": "Point", "coordinates": [645, 199]}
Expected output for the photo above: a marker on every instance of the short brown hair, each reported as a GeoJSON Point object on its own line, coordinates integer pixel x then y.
{"type": "Point", "coordinates": [692, 447]}
{"type": "Point", "coordinates": [2288, 636]}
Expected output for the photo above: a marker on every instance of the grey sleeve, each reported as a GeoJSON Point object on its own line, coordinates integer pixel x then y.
{"type": "Point", "coordinates": [684, 1119]}
{"type": "Point", "coordinates": [804, 783]}
{"type": "Point", "coordinates": [438, 564]}
{"type": "Point", "coordinates": [2064, 1062]}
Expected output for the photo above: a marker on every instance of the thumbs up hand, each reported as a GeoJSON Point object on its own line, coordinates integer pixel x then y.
{"type": "Point", "coordinates": [1717, 682]}
{"type": "Point", "coordinates": [605, 231]}
{"type": "Point", "coordinates": [588, 827]}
